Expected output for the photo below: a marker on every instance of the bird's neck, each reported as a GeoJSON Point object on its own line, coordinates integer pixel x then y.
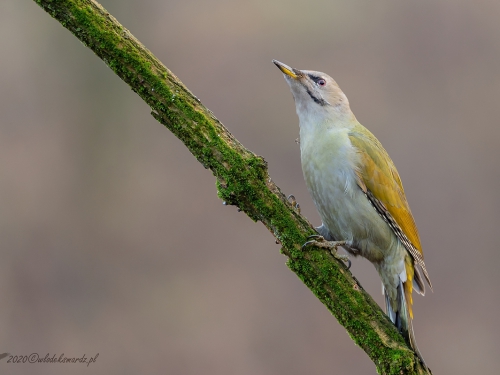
{"type": "Point", "coordinates": [314, 123]}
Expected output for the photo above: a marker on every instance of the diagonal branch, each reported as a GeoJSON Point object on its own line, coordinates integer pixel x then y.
{"type": "Point", "coordinates": [242, 179]}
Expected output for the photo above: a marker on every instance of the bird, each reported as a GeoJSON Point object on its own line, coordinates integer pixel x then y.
{"type": "Point", "coordinates": [358, 193]}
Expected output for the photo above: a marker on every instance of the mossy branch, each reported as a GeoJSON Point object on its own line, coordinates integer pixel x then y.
{"type": "Point", "coordinates": [242, 179]}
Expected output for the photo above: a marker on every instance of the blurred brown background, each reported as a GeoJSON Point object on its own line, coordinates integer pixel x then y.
{"type": "Point", "coordinates": [113, 240]}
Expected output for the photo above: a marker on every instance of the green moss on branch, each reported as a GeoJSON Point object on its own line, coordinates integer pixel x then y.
{"type": "Point", "coordinates": [242, 178]}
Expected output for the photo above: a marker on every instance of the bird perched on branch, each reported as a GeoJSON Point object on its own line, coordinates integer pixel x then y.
{"type": "Point", "coordinates": [358, 193]}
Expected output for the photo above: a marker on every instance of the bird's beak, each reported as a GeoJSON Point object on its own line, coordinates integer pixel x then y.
{"type": "Point", "coordinates": [291, 72]}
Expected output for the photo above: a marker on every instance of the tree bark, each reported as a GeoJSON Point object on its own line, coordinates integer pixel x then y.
{"type": "Point", "coordinates": [242, 179]}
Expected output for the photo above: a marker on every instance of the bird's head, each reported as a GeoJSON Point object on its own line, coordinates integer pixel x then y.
{"type": "Point", "coordinates": [316, 94]}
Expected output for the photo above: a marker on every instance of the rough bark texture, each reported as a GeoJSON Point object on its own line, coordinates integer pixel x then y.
{"type": "Point", "coordinates": [242, 179]}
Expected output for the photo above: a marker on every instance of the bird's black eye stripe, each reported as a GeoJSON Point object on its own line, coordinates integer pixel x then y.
{"type": "Point", "coordinates": [322, 102]}
{"type": "Point", "coordinates": [314, 78]}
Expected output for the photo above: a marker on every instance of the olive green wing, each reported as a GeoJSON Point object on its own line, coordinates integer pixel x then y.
{"type": "Point", "coordinates": [379, 179]}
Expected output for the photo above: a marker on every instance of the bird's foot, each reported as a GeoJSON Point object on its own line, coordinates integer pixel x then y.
{"type": "Point", "coordinates": [320, 241]}
{"type": "Point", "coordinates": [293, 202]}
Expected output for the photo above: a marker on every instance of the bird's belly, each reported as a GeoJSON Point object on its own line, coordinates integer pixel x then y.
{"type": "Point", "coordinates": [346, 211]}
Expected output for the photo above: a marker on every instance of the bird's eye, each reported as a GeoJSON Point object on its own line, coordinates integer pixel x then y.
{"type": "Point", "coordinates": [321, 82]}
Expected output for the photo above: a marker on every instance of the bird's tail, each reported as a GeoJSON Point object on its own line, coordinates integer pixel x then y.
{"type": "Point", "coordinates": [402, 317]}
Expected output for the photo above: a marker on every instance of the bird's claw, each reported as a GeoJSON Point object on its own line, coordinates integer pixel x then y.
{"type": "Point", "coordinates": [318, 236]}
{"type": "Point", "coordinates": [293, 202]}
{"type": "Point", "coordinates": [320, 241]}
{"type": "Point", "coordinates": [314, 239]}
{"type": "Point", "coordinates": [348, 266]}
